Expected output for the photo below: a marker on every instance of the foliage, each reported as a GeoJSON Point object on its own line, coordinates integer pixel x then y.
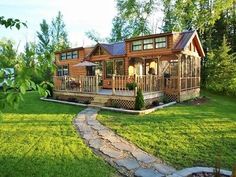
{"type": "Point", "coordinates": [221, 67]}
{"type": "Point", "coordinates": [139, 100]}
{"type": "Point", "coordinates": [131, 85]}
{"type": "Point", "coordinates": [59, 35]}
{"type": "Point", "coordinates": [132, 19]}
{"type": "Point", "coordinates": [10, 22]}
{"type": "Point", "coordinates": [94, 36]}
{"type": "Point", "coordinates": [40, 139]}
{"type": "Point", "coordinates": [183, 135]}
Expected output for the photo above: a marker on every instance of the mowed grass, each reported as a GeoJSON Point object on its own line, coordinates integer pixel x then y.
{"type": "Point", "coordinates": [183, 135]}
{"type": "Point", "coordinates": [39, 140]}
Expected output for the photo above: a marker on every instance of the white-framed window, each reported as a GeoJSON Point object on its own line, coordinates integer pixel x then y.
{"type": "Point", "coordinates": [147, 44]}
{"type": "Point", "coordinates": [69, 55]}
{"type": "Point", "coordinates": [75, 54]}
{"type": "Point", "coordinates": [63, 56]}
{"type": "Point", "coordinates": [63, 70]}
{"type": "Point", "coordinates": [160, 42]}
{"type": "Point", "coordinates": [137, 45]}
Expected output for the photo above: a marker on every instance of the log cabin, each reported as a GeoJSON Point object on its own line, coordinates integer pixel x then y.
{"type": "Point", "coordinates": [164, 66]}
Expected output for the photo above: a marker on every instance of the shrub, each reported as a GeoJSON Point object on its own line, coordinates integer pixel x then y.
{"type": "Point", "coordinates": [131, 85]}
{"type": "Point", "coordinates": [139, 100]}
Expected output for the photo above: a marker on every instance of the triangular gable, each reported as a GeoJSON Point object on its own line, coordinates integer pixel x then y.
{"type": "Point", "coordinates": [185, 40]}
{"type": "Point", "coordinates": [93, 52]}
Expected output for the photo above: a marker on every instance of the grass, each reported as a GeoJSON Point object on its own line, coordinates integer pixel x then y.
{"type": "Point", "coordinates": [183, 135]}
{"type": "Point", "coordinates": [39, 140]}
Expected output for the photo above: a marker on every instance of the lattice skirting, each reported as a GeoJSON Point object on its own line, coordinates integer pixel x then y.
{"type": "Point", "coordinates": [78, 99]}
{"type": "Point", "coordinates": [171, 97]}
{"type": "Point", "coordinates": [118, 103]}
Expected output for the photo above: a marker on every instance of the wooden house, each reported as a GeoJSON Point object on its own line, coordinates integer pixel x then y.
{"type": "Point", "coordinates": [162, 65]}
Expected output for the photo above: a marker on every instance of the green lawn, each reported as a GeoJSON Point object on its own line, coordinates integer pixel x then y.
{"type": "Point", "coordinates": [39, 140]}
{"type": "Point", "coordinates": [183, 135]}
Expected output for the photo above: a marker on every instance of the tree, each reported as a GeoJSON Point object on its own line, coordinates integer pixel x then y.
{"type": "Point", "coordinates": [139, 100]}
{"type": "Point", "coordinates": [10, 22]}
{"type": "Point", "coordinates": [44, 38]}
{"type": "Point", "coordinates": [132, 19]}
{"type": "Point", "coordinates": [59, 34]}
{"type": "Point", "coordinates": [221, 69]}
{"type": "Point", "coordinates": [94, 36]}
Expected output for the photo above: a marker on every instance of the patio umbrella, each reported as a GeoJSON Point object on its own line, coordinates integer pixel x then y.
{"type": "Point", "coordinates": [85, 63]}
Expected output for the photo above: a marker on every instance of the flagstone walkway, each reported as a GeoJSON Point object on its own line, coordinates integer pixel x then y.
{"type": "Point", "coordinates": [127, 158]}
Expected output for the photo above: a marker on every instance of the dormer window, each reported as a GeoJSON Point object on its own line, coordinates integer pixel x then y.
{"type": "Point", "coordinates": [160, 42]}
{"type": "Point", "coordinates": [148, 44]}
{"type": "Point", "coordinates": [137, 45]}
{"type": "Point", "coordinates": [69, 55]}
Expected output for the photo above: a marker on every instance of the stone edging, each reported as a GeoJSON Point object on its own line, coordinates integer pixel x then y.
{"type": "Point", "coordinates": [136, 112]}
{"type": "Point", "coordinates": [188, 171]}
{"type": "Point", "coordinates": [128, 159]}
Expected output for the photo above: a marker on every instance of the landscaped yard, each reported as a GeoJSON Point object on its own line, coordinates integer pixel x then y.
{"type": "Point", "coordinates": [39, 140]}
{"type": "Point", "coordinates": [183, 135]}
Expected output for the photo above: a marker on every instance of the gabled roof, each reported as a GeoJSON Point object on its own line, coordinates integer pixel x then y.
{"type": "Point", "coordinates": [114, 49]}
{"type": "Point", "coordinates": [186, 38]}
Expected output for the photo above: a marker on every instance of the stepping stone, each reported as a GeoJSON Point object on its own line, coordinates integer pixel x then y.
{"type": "Point", "coordinates": [105, 133]}
{"type": "Point", "coordinates": [143, 157]}
{"type": "Point", "coordinates": [113, 138]}
{"type": "Point", "coordinates": [164, 169]}
{"type": "Point", "coordinates": [96, 143]}
{"type": "Point", "coordinates": [147, 172]}
{"type": "Point", "coordinates": [128, 163]}
{"type": "Point", "coordinates": [90, 136]}
{"type": "Point", "coordinates": [111, 152]}
{"type": "Point", "coordinates": [99, 127]}
{"type": "Point", "coordinates": [85, 128]}
{"type": "Point", "coordinates": [123, 146]}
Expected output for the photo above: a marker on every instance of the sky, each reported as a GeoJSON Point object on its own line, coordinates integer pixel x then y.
{"type": "Point", "coordinates": [79, 17]}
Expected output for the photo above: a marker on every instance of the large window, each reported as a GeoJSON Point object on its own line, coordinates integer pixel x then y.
{"type": "Point", "coordinates": [69, 55]}
{"type": "Point", "coordinates": [119, 67]}
{"type": "Point", "coordinates": [160, 42]}
{"type": "Point", "coordinates": [109, 69]}
{"type": "Point", "coordinates": [137, 45]}
{"type": "Point", "coordinates": [148, 44]}
{"type": "Point", "coordinates": [63, 70]}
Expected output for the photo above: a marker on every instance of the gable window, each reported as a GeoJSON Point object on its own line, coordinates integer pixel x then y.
{"type": "Point", "coordinates": [119, 67]}
{"type": "Point", "coordinates": [160, 42]}
{"type": "Point", "coordinates": [75, 54]}
{"type": "Point", "coordinates": [137, 45]}
{"type": "Point", "coordinates": [148, 44]}
{"type": "Point", "coordinates": [109, 69]}
{"type": "Point", "coordinates": [69, 55]}
{"type": "Point", "coordinates": [63, 56]}
{"type": "Point", "coordinates": [63, 70]}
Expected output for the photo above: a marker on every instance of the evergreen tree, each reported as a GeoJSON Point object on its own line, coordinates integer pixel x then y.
{"type": "Point", "coordinates": [221, 69]}
{"type": "Point", "coordinates": [44, 38]}
{"type": "Point", "coordinates": [139, 100]}
{"type": "Point", "coordinates": [59, 34]}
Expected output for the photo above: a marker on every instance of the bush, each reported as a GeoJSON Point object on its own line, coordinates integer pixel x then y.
{"type": "Point", "coordinates": [131, 86]}
{"type": "Point", "coordinates": [139, 100]}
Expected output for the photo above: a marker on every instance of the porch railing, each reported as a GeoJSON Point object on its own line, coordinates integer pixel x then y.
{"type": "Point", "coordinates": [80, 83]}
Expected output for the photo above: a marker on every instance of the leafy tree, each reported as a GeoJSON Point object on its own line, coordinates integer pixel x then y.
{"type": "Point", "coordinates": [44, 38]}
{"type": "Point", "coordinates": [59, 34]}
{"type": "Point", "coordinates": [132, 19]}
{"type": "Point", "coordinates": [221, 69]}
{"type": "Point", "coordinates": [10, 22]}
{"type": "Point", "coordinates": [7, 53]}
{"type": "Point", "coordinates": [94, 36]}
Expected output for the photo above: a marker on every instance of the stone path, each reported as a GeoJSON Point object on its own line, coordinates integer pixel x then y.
{"type": "Point", "coordinates": [128, 159]}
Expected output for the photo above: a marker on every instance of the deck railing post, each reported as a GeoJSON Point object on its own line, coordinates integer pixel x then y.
{"type": "Point", "coordinates": [97, 89]}
{"type": "Point", "coordinates": [135, 91]}
{"type": "Point", "coordinates": [113, 85]}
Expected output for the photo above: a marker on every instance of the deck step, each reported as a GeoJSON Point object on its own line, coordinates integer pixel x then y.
{"type": "Point", "coordinates": [99, 100]}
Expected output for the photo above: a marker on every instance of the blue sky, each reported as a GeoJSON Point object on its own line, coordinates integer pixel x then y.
{"type": "Point", "coordinates": [79, 17]}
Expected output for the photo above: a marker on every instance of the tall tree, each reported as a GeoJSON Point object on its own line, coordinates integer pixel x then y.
{"type": "Point", "coordinates": [44, 38]}
{"type": "Point", "coordinates": [59, 34]}
{"type": "Point", "coordinates": [132, 18]}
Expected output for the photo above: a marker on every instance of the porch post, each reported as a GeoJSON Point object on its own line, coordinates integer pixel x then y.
{"type": "Point", "coordinates": [97, 89]}
{"type": "Point", "coordinates": [179, 71]}
{"type": "Point", "coordinates": [113, 85]}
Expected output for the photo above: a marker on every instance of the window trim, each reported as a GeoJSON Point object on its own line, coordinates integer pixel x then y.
{"type": "Point", "coordinates": [123, 65]}
{"type": "Point", "coordinates": [62, 67]}
{"type": "Point", "coordinates": [160, 42]}
{"type": "Point", "coordinates": [146, 44]}
{"type": "Point", "coordinates": [112, 69]}
{"type": "Point", "coordinates": [141, 45]}
{"type": "Point", "coordinates": [66, 55]}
